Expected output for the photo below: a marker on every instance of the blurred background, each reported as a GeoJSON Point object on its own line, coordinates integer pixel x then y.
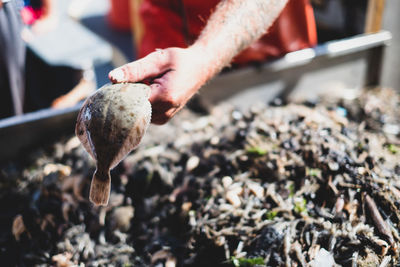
{"type": "Point", "coordinates": [73, 44]}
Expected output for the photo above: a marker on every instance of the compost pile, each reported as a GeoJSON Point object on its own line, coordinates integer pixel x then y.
{"type": "Point", "coordinates": [313, 183]}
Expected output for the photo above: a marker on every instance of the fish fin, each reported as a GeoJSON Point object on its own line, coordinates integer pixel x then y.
{"type": "Point", "coordinates": [100, 188]}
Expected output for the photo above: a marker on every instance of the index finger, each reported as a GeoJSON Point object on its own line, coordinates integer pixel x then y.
{"type": "Point", "coordinates": [150, 66]}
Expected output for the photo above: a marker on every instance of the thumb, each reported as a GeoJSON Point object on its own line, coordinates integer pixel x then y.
{"type": "Point", "coordinates": [150, 66]}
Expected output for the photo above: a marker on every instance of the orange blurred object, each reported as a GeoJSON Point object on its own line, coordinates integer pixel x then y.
{"type": "Point", "coordinates": [119, 15]}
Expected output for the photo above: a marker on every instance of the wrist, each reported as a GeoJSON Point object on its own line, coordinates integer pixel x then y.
{"type": "Point", "coordinates": [209, 64]}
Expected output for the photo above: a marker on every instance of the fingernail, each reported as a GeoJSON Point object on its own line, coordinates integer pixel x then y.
{"type": "Point", "coordinates": [118, 75]}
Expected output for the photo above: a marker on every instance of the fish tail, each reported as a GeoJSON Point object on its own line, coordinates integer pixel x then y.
{"type": "Point", "coordinates": [100, 188]}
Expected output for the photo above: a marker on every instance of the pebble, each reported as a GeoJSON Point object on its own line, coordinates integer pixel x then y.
{"type": "Point", "coordinates": [227, 181]}
{"type": "Point", "coordinates": [256, 189]}
{"type": "Point", "coordinates": [233, 198]}
{"type": "Point", "coordinates": [192, 163]}
{"type": "Point", "coordinates": [121, 218]}
{"type": "Point", "coordinates": [323, 258]}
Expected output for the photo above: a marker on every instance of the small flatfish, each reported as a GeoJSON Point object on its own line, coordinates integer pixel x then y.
{"type": "Point", "coordinates": [110, 124]}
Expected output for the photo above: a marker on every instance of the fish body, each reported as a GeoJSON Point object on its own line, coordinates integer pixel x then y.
{"type": "Point", "coordinates": [110, 124]}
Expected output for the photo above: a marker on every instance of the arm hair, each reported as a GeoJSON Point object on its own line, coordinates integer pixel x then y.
{"type": "Point", "coordinates": [233, 26]}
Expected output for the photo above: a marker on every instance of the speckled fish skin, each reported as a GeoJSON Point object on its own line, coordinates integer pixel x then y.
{"type": "Point", "coordinates": [110, 124]}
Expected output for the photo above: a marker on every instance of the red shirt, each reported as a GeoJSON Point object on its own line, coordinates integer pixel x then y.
{"type": "Point", "coordinates": [162, 25]}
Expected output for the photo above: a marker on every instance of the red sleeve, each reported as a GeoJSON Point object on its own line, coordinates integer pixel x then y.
{"type": "Point", "coordinates": [163, 26]}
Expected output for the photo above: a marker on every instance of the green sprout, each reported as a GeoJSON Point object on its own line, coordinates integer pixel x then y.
{"type": "Point", "coordinates": [291, 190]}
{"type": "Point", "coordinates": [271, 214]}
{"type": "Point", "coordinates": [360, 146]}
{"type": "Point", "coordinates": [246, 262]}
{"type": "Point", "coordinates": [300, 206]}
{"type": "Point", "coordinates": [393, 148]}
{"type": "Point", "coordinates": [258, 151]}
{"type": "Point", "coordinates": [314, 172]}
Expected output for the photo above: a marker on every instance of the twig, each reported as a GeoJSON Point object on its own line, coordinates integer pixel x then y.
{"type": "Point", "coordinates": [383, 228]}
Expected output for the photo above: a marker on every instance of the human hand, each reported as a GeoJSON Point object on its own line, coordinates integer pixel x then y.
{"type": "Point", "coordinates": [174, 74]}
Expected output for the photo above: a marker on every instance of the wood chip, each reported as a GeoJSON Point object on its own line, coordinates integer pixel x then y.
{"type": "Point", "coordinates": [18, 227]}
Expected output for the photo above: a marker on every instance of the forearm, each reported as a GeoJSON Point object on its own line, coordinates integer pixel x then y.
{"type": "Point", "coordinates": [233, 26]}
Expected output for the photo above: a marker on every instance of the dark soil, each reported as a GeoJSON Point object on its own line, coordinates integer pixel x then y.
{"type": "Point", "coordinates": [317, 183]}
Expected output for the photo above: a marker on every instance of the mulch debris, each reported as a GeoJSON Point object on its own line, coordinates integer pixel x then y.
{"type": "Point", "coordinates": [313, 184]}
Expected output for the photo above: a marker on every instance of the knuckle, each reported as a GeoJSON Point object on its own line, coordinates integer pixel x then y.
{"type": "Point", "coordinates": [162, 119]}
{"type": "Point", "coordinates": [132, 70]}
{"type": "Point", "coordinates": [165, 119]}
{"type": "Point", "coordinates": [163, 114]}
{"type": "Point", "coordinates": [163, 57]}
{"type": "Point", "coordinates": [170, 101]}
